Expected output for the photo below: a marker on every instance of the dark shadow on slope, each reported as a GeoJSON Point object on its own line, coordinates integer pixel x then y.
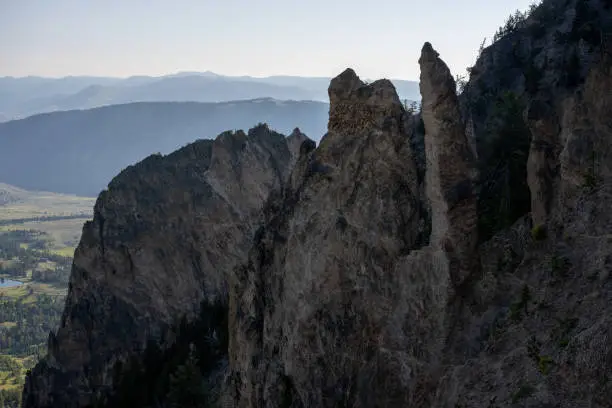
{"type": "Point", "coordinates": [179, 375]}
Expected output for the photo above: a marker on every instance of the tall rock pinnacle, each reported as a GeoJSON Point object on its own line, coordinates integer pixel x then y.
{"type": "Point", "coordinates": [450, 166]}
{"type": "Point", "coordinates": [314, 308]}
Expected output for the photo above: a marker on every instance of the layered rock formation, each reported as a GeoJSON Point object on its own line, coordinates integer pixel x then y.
{"type": "Point", "coordinates": [164, 237]}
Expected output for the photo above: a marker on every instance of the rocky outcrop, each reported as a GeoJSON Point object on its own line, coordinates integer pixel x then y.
{"type": "Point", "coordinates": [450, 187]}
{"type": "Point", "coordinates": [538, 63]}
{"type": "Point", "coordinates": [585, 157]}
{"type": "Point", "coordinates": [305, 318]}
{"type": "Point", "coordinates": [366, 284]}
{"type": "Point", "coordinates": [294, 143]}
{"type": "Point", "coordinates": [544, 61]}
{"type": "Point", "coordinates": [340, 303]}
{"type": "Point", "coordinates": [535, 330]}
{"type": "Point", "coordinates": [570, 155]}
{"type": "Point", "coordinates": [164, 238]}
{"type": "Point", "coordinates": [338, 306]}
{"type": "Point", "coordinates": [538, 321]}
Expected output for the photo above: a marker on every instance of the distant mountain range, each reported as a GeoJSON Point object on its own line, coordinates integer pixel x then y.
{"type": "Point", "coordinates": [78, 152]}
{"type": "Point", "coordinates": [22, 97]}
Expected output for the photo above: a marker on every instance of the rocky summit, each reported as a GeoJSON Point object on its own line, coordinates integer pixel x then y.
{"type": "Point", "coordinates": [164, 238]}
{"type": "Point", "coordinates": [359, 317]}
{"type": "Point", "coordinates": [454, 257]}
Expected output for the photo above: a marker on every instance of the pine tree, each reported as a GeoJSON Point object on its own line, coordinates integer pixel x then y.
{"type": "Point", "coordinates": [187, 384]}
{"type": "Point", "coordinates": [504, 194]}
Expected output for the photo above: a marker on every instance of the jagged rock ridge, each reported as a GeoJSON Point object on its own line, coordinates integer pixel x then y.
{"type": "Point", "coordinates": [344, 322]}
{"type": "Point", "coordinates": [347, 299]}
{"type": "Point", "coordinates": [163, 238]}
{"type": "Point", "coordinates": [357, 318]}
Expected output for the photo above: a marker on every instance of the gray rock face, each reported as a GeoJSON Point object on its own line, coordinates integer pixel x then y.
{"type": "Point", "coordinates": [307, 317]}
{"type": "Point", "coordinates": [542, 62]}
{"type": "Point", "coordinates": [570, 153]}
{"type": "Point", "coordinates": [534, 331]}
{"type": "Point", "coordinates": [164, 237]}
{"type": "Point", "coordinates": [348, 297]}
{"type": "Point", "coordinates": [337, 304]}
{"type": "Point", "coordinates": [348, 312]}
{"type": "Point", "coordinates": [450, 167]}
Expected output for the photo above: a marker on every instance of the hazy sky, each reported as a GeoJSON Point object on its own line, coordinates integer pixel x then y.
{"type": "Point", "coordinates": [378, 38]}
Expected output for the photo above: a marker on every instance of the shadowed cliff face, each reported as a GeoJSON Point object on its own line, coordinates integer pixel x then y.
{"type": "Point", "coordinates": [361, 288]}
{"type": "Point", "coordinates": [164, 237]}
{"type": "Point", "coordinates": [540, 64]}
{"type": "Point", "coordinates": [450, 167]}
{"type": "Point", "coordinates": [342, 304]}
{"type": "Point", "coordinates": [337, 305]}
{"type": "Point", "coordinates": [570, 152]}
{"type": "Point", "coordinates": [537, 328]}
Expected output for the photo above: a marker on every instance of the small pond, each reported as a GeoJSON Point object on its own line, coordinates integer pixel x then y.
{"type": "Point", "coordinates": [9, 283]}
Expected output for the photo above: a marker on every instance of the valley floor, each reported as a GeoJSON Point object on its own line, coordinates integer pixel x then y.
{"type": "Point", "coordinates": [38, 235]}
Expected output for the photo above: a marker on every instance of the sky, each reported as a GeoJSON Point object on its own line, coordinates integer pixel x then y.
{"type": "Point", "coordinates": [120, 38]}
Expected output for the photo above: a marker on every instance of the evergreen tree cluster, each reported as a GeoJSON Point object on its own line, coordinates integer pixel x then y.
{"type": "Point", "coordinates": [174, 376]}
{"type": "Point", "coordinates": [10, 398]}
{"type": "Point", "coordinates": [504, 195]}
{"type": "Point", "coordinates": [31, 323]}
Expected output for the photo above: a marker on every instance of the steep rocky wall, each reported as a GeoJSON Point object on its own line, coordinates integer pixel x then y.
{"type": "Point", "coordinates": [343, 304]}
{"type": "Point", "coordinates": [539, 63]}
{"type": "Point", "coordinates": [536, 332]}
{"type": "Point", "coordinates": [164, 237]}
{"type": "Point", "coordinates": [535, 329]}
{"type": "Point", "coordinates": [362, 289]}
{"type": "Point", "coordinates": [340, 304]}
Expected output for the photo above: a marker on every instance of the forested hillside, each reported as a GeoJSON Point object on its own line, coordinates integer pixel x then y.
{"type": "Point", "coordinates": [38, 234]}
{"type": "Point", "coordinates": [80, 151]}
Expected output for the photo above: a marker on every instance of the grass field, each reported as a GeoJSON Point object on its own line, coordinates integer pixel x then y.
{"type": "Point", "coordinates": [18, 204]}
{"type": "Point", "coordinates": [64, 234]}
{"type": "Point", "coordinates": [30, 290]}
{"type": "Point", "coordinates": [10, 380]}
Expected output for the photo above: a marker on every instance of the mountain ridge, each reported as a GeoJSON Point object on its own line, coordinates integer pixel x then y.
{"type": "Point", "coordinates": [79, 151]}
{"type": "Point", "coordinates": [31, 95]}
{"type": "Point", "coordinates": [375, 274]}
{"type": "Point", "coordinates": [220, 219]}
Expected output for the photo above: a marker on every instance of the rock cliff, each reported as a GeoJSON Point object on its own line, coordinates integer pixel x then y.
{"type": "Point", "coordinates": [338, 306]}
{"type": "Point", "coordinates": [537, 330]}
{"type": "Point", "coordinates": [388, 267]}
{"type": "Point", "coordinates": [517, 97]}
{"type": "Point", "coordinates": [164, 237]}
{"type": "Point", "coordinates": [341, 302]}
